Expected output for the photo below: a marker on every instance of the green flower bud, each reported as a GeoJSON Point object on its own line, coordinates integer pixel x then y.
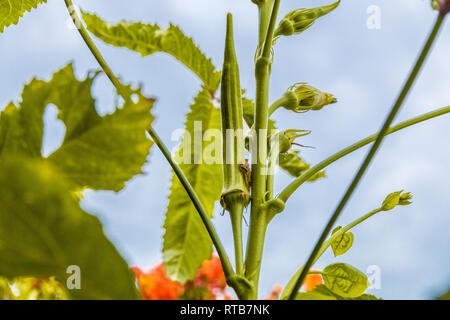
{"type": "Point", "coordinates": [404, 199]}
{"type": "Point", "coordinates": [309, 98]}
{"type": "Point", "coordinates": [396, 198]}
{"type": "Point", "coordinates": [287, 138]}
{"type": "Point", "coordinates": [299, 20]}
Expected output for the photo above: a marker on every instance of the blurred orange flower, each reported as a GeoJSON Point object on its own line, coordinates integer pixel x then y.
{"type": "Point", "coordinates": [312, 281]}
{"type": "Point", "coordinates": [209, 283]}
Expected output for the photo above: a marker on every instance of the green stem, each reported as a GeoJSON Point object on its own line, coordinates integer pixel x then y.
{"type": "Point", "coordinates": [92, 47]}
{"type": "Point", "coordinates": [236, 223]}
{"type": "Point", "coordinates": [293, 186]}
{"type": "Point", "coordinates": [227, 268]}
{"type": "Point", "coordinates": [226, 265]}
{"type": "Point", "coordinates": [324, 247]}
{"type": "Point", "coordinates": [277, 104]}
{"type": "Point", "coordinates": [343, 230]}
{"type": "Point", "coordinates": [273, 155]}
{"type": "Point", "coordinates": [410, 81]}
{"type": "Point", "coordinates": [258, 222]}
{"type": "Point", "coordinates": [265, 11]}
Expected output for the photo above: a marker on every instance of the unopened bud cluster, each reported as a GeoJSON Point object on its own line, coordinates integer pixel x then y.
{"type": "Point", "coordinates": [299, 20]}
{"type": "Point", "coordinates": [398, 198]}
{"type": "Point", "coordinates": [302, 97]}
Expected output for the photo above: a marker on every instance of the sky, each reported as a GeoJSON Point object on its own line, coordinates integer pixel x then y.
{"type": "Point", "coordinates": [364, 68]}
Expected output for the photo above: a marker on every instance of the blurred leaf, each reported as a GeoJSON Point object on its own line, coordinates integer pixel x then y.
{"type": "Point", "coordinates": [344, 280]}
{"type": "Point", "coordinates": [12, 10]}
{"type": "Point", "coordinates": [43, 231]}
{"type": "Point", "coordinates": [148, 39]}
{"type": "Point", "coordinates": [97, 152]}
{"type": "Point", "coordinates": [186, 241]}
{"type": "Point", "coordinates": [31, 288]}
{"type": "Point", "coordinates": [342, 243]}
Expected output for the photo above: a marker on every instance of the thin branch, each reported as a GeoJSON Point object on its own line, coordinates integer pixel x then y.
{"type": "Point", "coordinates": [409, 83]}
{"type": "Point", "coordinates": [226, 265]}
{"type": "Point", "coordinates": [294, 185]}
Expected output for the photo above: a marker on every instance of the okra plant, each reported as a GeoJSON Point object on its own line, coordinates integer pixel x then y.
{"type": "Point", "coordinates": [43, 230]}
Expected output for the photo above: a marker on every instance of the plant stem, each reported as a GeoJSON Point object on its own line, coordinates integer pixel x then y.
{"type": "Point", "coordinates": [294, 185]}
{"type": "Point", "coordinates": [273, 157]}
{"type": "Point", "coordinates": [258, 220]}
{"type": "Point", "coordinates": [226, 265]}
{"type": "Point", "coordinates": [227, 268]}
{"type": "Point", "coordinates": [343, 230]}
{"type": "Point", "coordinates": [410, 81]}
{"type": "Point", "coordinates": [277, 104]}
{"type": "Point", "coordinates": [236, 223]}
{"type": "Point", "coordinates": [92, 47]}
{"type": "Point", "coordinates": [265, 11]}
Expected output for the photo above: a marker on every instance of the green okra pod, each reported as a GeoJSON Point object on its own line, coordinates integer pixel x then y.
{"type": "Point", "coordinates": [235, 186]}
{"type": "Point", "coordinates": [235, 196]}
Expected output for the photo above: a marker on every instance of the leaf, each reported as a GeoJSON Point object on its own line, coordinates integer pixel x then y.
{"type": "Point", "coordinates": [186, 241]}
{"type": "Point", "coordinates": [147, 39]}
{"type": "Point", "coordinates": [321, 292]}
{"type": "Point", "coordinates": [342, 243]}
{"type": "Point", "coordinates": [12, 10]}
{"type": "Point", "coordinates": [97, 152]}
{"type": "Point", "coordinates": [293, 164]}
{"type": "Point", "coordinates": [43, 231]}
{"type": "Point", "coordinates": [313, 296]}
{"type": "Point", "coordinates": [344, 280]}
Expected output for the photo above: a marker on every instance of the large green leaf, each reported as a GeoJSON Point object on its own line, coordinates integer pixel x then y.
{"type": "Point", "coordinates": [344, 280]}
{"type": "Point", "coordinates": [43, 231]}
{"type": "Point", "coordinates": [321, 292]}
{"type": "Point", "coordinates": [147, 39]}
{"type": "Point", "coordinates": [97, 152]}
{"type": "Point", "coordinates": [186, 241]}
{"type": "Point", "coordinates": [12, 10]}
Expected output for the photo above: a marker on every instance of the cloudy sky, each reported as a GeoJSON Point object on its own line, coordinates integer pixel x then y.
{"type": "Point", "coordinates": [364, 68]}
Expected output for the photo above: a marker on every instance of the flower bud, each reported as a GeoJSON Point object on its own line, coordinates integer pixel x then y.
{"type": "Point", "coordinates": [442, 5]}
{"type": "Point", "coordinates": [299, 20]}
{"type": "Point", "coordinates": [404, 199]}
{"type": "Point", "coordinates": [287, 138]}
{"type": "Point", "coordinates": [396, 198]}
{"type": "Point", "coordinates": [309, 98]}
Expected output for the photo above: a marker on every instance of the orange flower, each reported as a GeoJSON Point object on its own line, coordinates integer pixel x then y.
{"type": "Point", "coordinates": [312, 281]}
{"type": "Point", "coordinates": [209, 283]}
{"type": "Point", "coordinates": [275, 293]}
{"type": "Point", "coordinates": [211, 273]}
{"type": "Point", "coordinates": [154, 285]}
